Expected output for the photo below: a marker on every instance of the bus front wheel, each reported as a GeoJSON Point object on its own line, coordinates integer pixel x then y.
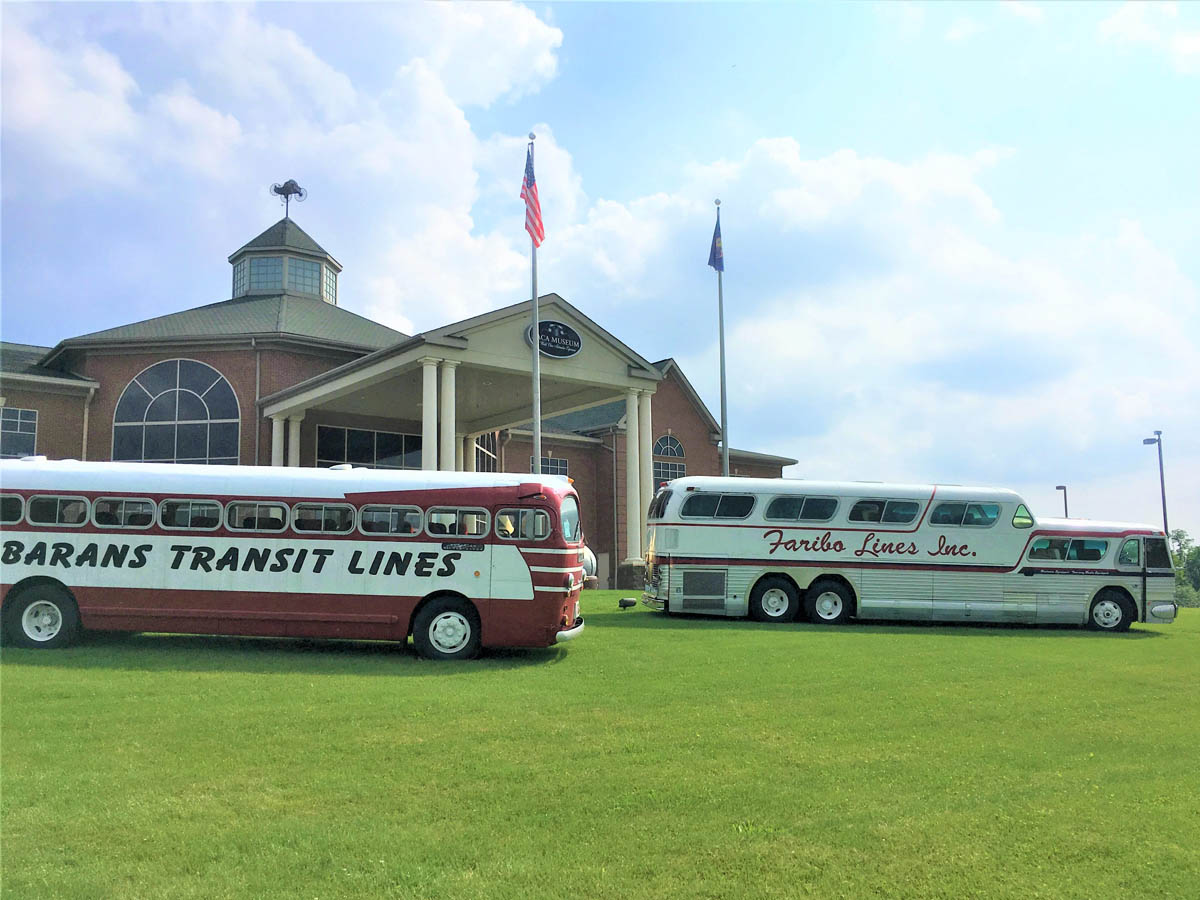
{"type": "Point", "coordinates": [1111, 611]}
{"type": "Point", "coordinates": [829, 603]}
{"type": "Point", "coordinates": [447, 628]}
{"type": "Point", "coordinates": [41, 617]}
{"type": "Point", "coordinates": [774, 599]}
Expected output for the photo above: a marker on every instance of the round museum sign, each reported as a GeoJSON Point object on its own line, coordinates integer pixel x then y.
{"type": "Point", "coordinates": [557, 339]}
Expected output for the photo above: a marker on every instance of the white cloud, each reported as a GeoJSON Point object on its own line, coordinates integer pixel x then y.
{"type": "Point", "coordinates": [1155, 25]}
{"type": "Point", "coordinates": [963, 28]}
{"type": "Point", "coordinates": [1030, 12]}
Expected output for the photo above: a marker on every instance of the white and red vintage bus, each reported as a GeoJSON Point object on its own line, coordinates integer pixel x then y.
{"type": "Point", "coordinates": [458, 560]}
{"type": "Point", "coordinates": [775, 548]}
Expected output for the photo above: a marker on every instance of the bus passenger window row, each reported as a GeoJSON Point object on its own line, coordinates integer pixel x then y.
{"type": "Point", "coordinates": [263, 516]}
{"type": "Point", "coordinates": [968, 515]}
{"type": "Point", "coordinates": [893, 512]}
{"type": "Point", "coordinates": [1058, 549]}
{"type": "Point", "coordinates": [802, 509]}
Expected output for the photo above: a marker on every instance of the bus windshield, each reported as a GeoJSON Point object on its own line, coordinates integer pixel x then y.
{"type": "Point", "coordinates": [570, 519]}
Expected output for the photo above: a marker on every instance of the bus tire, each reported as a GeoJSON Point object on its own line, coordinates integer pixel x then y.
{"type": "Point", "coordinates": [774, 599]}
{"type": "Point", "coordinates": [447, 628]}
{"type": "Point", "coordinates": [1110, 611]}
{"type": "Point", "coordinates": [41, 617]}
{"type": "Point", "coordinates": [829, 602]}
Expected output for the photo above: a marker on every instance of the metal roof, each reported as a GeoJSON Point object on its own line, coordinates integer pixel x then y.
{"type": "Point", "coordinates": [283, 314]}
{"type": "Point", "coordinates": [23, 359]}
{"type": "Point", "coordinates": [284, 234]}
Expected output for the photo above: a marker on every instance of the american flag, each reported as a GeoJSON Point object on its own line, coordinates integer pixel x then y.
{"type": "Point", "coordinates": [533, 208]}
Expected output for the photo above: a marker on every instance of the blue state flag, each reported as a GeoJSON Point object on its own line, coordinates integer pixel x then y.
{"type": "Point", "coordinates": [716, 258]}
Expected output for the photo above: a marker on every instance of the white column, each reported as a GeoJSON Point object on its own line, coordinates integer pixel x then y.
{"type": "Point", "coordinates": [429, 414]}
{"type": "Point", "coordinates": [446, 452]}
{"type": "Point", "coordinates": [277, 423]}
{"type": "Point", "coordinates": [460, 452]}
{"type": "Point", "coordinates": [294, 439]}
{"type": "Point", "coordinates": [468, 451]}
{"type": "Point", "coordinates": [645, 464]}
{"type": "Point", "coordinates": [633, 502]}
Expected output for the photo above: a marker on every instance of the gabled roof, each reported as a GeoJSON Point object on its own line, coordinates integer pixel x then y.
{"type": "Point", "coordinates": [283, 235]}
{"type": "Point", "coordinates": [273, 315]}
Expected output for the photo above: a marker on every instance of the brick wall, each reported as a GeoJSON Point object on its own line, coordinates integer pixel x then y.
{"type": "Point", "coordinates": [60, 420]}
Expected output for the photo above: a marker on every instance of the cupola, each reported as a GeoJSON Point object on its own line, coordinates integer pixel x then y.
{"type": "Point", "coordinates": [285, 260]}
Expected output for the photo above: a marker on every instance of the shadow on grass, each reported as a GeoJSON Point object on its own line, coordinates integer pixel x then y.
{"type": "Point", "coordinates": [264, 655]}
{"type": "Point", "coordinates": [660, 620]}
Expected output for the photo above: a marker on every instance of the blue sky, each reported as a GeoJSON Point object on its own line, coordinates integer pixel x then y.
{"type": "Point", "coordinates": [960, 238]}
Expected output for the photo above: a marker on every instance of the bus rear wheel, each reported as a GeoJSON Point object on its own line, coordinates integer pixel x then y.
{"type": "Point", "coordinates": [42, 617]}
{"type": "Point", "coordinates": [1111, 611]}
{"type": "Point", "coordinates": [829, 603]}
{"type": "Point", "coordinates": [447, 628]}
{"type": "Point", "coordinates": [774, 599]}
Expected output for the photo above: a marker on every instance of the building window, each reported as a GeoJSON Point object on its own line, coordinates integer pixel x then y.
{"type": "Point", "coordinates": [177, 411]}
{"type": "Point", "coordinates": [667, 471]}
{"type": "Point", "coordinates": [372, 449]}
{"type": "Point", "coordinates": [485, 452]}
{"type": "Point", "coordinates": [18, 432]}
{"type": "Point", "coordinates": [331, 285]}
{"type": "Point", "coordinates": [266, 273]}
{"type": "Point", "coordinates": [551, 465]}
{"type": "Point", "coordinates": [239, 278]}
{"type": "Point", "coordinates": [304, 276]}
{"type": "Point", "coordinates": [668, 446]}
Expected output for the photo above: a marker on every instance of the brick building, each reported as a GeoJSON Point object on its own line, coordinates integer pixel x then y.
{"type": "Point", "coordinates": [280, 374]}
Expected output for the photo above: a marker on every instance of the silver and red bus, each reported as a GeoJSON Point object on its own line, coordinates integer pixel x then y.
{"type": "Point", "coordinates": [459, 561]}
{"type": "Point", "coordinates": [778, 549]}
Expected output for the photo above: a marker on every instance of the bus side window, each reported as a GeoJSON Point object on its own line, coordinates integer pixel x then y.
{"type": "Point", "coordinates": [1049, 548]}
{"type": "Point", "coordinates": [11, 508]}
{"type": "Point", "coordinates": [1157, 556]}
{"type": "Point", "coordinates": [900, 512]}
{"type": "Point", "coordinates": [116, 512]}
{"type": "Point", "coordinates": [329, 518]}
{"type": "Point", "coordinates": [700, 506]}
{"type": "Point", "coordinates": [981, 515]}
{"type": "Point", "coordinates": [818, 509]}
{"type": "Point", "coordinates": [1131, 553]}
{"type": "Point", "coordinates": [528, 524]}
{"type": "Point", "coordinates": [1087, 551]}
{"type": "Point", "coordinates": [867, 511]}
{"type": "Point", "coordinates": [1021, 518]}
{"type": "Point", "coordinates": [391, 520]}
{"type": "Point", "coordinates": [58, 510]}
{"type": "Point", "coordinates": [948, 514]}
{"type": "Point", "coordinates": [200, 515]}
{"type": "Point", "coordinates": [784, 509]}
{"type": "Point", "coordinates": [248, 516]}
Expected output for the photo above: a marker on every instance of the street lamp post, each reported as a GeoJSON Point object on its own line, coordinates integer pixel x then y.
{"type": "Point", "coordinates": [1162, 482]}
{"type": "Point", "coordinates": [1063, 488]}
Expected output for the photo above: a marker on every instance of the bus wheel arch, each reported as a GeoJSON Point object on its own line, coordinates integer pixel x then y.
{"type": "Point", "coordinates": [775, 597]}
{"type": "Point", "coordinates": [446, 626]}
{"type": "Point", "coordinates": [830, 600]}
{"type": "Point", "coordinates": [1112, 609]}
{"type": "Point", "coordinates": [39, 613]}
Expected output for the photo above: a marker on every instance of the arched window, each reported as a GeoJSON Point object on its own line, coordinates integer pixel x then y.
{"type": "Point", "coordinates": [668, 471]}
{"type": "Point", "coordinates": [668, 446]}
{"type": "Point", "coordinates": [180, 411]}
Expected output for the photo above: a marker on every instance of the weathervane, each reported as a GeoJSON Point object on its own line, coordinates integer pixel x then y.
{"type": "Point", "coordinates": [286, 191]}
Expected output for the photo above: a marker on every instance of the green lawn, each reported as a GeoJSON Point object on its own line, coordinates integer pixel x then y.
{"type": "Point", "coordinates": [652, 757]}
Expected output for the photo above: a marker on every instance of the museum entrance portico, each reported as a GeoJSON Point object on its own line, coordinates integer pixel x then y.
{"type": "Point", "coordinates": [451, 385]}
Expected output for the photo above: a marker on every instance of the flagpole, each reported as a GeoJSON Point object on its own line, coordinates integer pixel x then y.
{"type": "Point", "coordinates": [721, 328]}
{"type": "Point", "coordinates": [537, 354]}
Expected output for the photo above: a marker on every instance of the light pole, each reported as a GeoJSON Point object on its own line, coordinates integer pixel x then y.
{"type": "Point", "coordinates": [1063, 488]}
{"type": "Point", "coordinates": [1162, 482]}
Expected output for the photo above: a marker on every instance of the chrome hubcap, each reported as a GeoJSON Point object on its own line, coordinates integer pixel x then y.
{"type": "Point", "coordinates": [775, 602]}
{"type": "Point", "coordinates": [449, 632]}
{"type": "Point", "coordinates": [41, 621]}
{"type": "Point", "coordinates": [1107, 614]}
{"type": "Point", "coordinates": [829, 605]}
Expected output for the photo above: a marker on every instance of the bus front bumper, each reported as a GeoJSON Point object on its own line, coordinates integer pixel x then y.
{"type": "Point", "coordinates": [571, 632]}
{"type": "Point", "coordinates": [1162, 612]}
{"type": "Point", "coordinates": [653, 602]}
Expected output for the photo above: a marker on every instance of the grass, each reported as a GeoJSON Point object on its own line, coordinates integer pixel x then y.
{"type": "Point", "coordinates": [652, 757]}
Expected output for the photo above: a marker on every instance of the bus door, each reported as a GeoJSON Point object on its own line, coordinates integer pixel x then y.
{"type": "Point", "coordinates": [520, 531]}
{"type": "Point", "coordinates": [1133, 573]}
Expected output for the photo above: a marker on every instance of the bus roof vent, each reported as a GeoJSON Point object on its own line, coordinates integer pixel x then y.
{"type": "Point", "coordinates": [341, 467]}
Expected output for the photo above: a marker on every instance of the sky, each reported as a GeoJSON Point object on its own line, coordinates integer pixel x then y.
{"type": "Point", "coordinates": [960, 239]}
